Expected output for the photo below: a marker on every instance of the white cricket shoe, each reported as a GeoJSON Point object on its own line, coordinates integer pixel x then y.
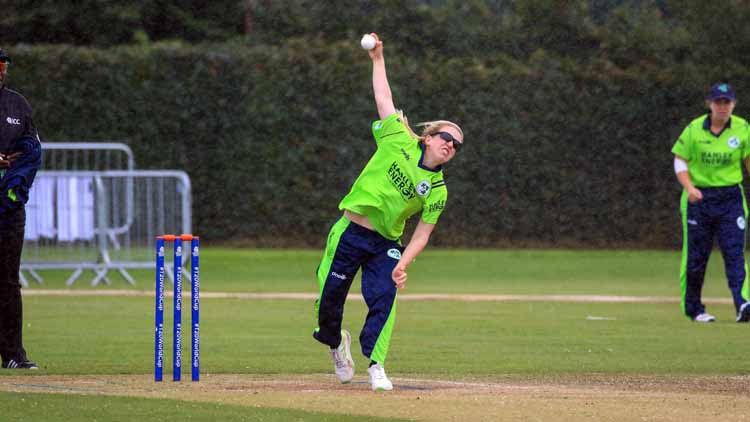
{"type": "Point", "coordinates": [704, 317]}
{"type": "Point", "coordinates": [744, 314]}
{"type": "Point", "coordinates": [342, 358]}
{"type": "Point", "coordinates": [378, 379]}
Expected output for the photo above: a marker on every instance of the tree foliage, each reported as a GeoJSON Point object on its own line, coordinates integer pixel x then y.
{"type": "Point", "coordinates": [550, 94]}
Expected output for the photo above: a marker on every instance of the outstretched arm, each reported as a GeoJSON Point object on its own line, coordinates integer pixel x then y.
{"type": "Point", "coordinates": [380, 87]}
{"type": "Point", "coordinates": [416, 245]}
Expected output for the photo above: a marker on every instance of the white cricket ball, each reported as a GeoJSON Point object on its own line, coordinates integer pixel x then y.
{"type": "Point", "coordinates": [368, 42]}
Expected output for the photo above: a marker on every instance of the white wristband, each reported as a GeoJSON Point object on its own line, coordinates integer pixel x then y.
{"type": "Point", "coordinates": [679, 165]}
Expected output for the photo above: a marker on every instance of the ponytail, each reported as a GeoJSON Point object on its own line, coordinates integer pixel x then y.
{"type": "Point", "coordinates": [430, 128]}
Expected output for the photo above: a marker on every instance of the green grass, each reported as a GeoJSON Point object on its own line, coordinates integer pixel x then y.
{"type": "Point", "coordinates": [432, 339]}
{"type": "Point", "coordinates": [72, 408]}
{"type": "Point", "coordinates": [642, 273]}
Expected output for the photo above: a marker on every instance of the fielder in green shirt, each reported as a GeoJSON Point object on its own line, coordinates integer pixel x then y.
{"type": "Point", "coordinates": [404, 177]}
{"type": "Point", "coordinates": [708, 163]}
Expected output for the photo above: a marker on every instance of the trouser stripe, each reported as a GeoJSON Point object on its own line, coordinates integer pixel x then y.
{"type": "Point", "coordinates": [684, 259]}
{"type": "Point", "coordinates": [380, 351]}
{"type": "Point", "coordinates": [745, 291]}
{"type": "Point", "coordinates": [325, 264]}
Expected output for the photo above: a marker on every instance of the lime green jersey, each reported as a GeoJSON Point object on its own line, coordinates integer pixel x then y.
{"type": "Point", "coordinates": [714, 161]}
{"type": "Point", "coordinates": [394, 184]}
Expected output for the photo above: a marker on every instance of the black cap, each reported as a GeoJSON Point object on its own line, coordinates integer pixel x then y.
{"type": "Point", "coordinates": [4, 56]}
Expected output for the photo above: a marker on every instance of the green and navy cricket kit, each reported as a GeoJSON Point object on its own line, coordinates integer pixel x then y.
{"type": "Point", "coordinates": [393, 186]}
{"type": "Point", "coordinates": [349, 248]}
{"type": "Point", "coordinates": [714, 161]}
{"type": "Point", "coordinates": [715, 168]}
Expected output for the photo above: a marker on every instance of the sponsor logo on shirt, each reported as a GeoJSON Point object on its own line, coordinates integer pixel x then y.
{"type": "Point", "coordinates": [406, 154]}
{"type": "Point", "coordinates": [436, 206]}
{"type": "Point", "coordinates": [13, 121]}
{"type": "Point", "coordinates": [716, 158]}
{"type": "Point", "coordinates": [401, 182]}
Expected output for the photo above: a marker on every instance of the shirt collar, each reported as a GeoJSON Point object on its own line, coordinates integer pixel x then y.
{"type": "Point", "coordinates": [707, 123]}
{"type": "Point", "coordinates": [422, 166]}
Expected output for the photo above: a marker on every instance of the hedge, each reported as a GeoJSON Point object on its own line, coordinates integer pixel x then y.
{"type": "Point", "coordinates": [559, 152]}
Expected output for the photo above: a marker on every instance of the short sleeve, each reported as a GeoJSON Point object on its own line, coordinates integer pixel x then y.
{"type": "Point", "coordinates": [683, 146]}
{"type": "Point", "coordinates": [434, 205]}
{"type": "Point", "coordinates": [390, 129]}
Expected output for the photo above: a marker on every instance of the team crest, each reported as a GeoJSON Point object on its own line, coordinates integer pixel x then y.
{"type": "Point", "coordinates": [394, 253]}
{"type": "Point", "coordinates": [741, 222]}
{"type": "Point", "coordinates": [423, 188]}
{"type": "Point", "coordinates": [733, 142]}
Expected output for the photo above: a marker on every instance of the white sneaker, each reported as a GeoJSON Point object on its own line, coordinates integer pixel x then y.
{"type": "Point", "coordinates": [744, 314]}
{"type": "Point", "coordinates": [342, 358]}
{"type": "Point", "coordinates": [378, 379]}
{"type": "Point", "coordinates": [704, 317]}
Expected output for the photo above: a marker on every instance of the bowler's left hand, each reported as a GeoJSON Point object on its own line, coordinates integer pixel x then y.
{"type": "Point", "coordinates": [399, 277]}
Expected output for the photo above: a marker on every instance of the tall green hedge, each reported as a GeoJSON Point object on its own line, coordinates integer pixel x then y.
{"type": "Point", "coordinates": [559, 152]}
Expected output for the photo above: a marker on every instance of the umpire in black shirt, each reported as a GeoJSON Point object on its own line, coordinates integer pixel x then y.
{"type": "Point", "coordinates": [15, 124]}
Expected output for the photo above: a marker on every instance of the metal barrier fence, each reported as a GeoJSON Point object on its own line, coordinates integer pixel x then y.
{"type": "Point", "coordinates": [101, 221]}
{"type": "Point", "coordinates": [98, 156]}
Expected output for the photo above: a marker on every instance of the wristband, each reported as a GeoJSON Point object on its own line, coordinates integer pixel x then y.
{"type": "Point", "coordinates": [679, 165]}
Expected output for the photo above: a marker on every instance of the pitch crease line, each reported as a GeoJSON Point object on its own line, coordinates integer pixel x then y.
{"type": "Point", "coordinates": [357, 296]}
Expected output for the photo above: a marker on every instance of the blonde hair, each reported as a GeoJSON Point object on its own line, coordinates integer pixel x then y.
{"type": "Point", "coordinates": [429, 128]}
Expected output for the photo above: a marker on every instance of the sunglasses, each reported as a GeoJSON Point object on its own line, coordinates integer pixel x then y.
{"type": "Point", "coordinates": [447, 137]}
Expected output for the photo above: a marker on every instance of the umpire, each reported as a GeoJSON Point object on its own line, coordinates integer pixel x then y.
{"type": "Point", "coordinates": [708, 164]}
{"type": "Point", "coordinates": [20, 157]}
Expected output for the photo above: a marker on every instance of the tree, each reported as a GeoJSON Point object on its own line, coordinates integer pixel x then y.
{"type": "Point", "coordinates": [83, 22]}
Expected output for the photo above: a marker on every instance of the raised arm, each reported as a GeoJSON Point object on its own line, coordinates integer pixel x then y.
{"type": "Point", "coordinates": [380, 87]}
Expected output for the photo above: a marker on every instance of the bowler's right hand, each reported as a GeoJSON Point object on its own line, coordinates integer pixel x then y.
{"type": "Point", "coordinates": [377, 52]}
{"type": "Point", "coordinates": [694, 195]}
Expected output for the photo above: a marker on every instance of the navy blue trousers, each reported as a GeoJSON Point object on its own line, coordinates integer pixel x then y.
{"type": "Point", "coordinates": [721, 215]}
{"type": "Point", "coordinates": [349, 248]}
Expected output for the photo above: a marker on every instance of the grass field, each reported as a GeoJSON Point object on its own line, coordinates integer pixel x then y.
{"type": "Point", "coordinates": [450, 360]}
{"type": "Point", "coordinates": [641, 273]}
